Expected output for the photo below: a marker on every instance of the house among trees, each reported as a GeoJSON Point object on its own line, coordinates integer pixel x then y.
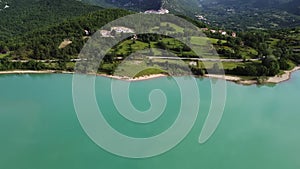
{"type": "Point", "coordinates": [87, 33]}
{"type": "Point", "coordinates": [135, 37]}
{"type": "Point", "coordinates": [233, 34]}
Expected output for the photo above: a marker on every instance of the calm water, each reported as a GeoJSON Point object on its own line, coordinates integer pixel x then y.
{"type": "Point", "coordinates": [39, 128]}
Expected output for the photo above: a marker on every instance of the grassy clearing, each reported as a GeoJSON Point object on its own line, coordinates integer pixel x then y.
{"type": "Point", "coordinates": [248, 53]}
{"type": "Point", "coordinates": [125, 49]}
{"type": "Point", "coordinates": [204, 41]}
{"type": "Point", "coordinates": [149, 71]}
{"type": "Point", "coordinates": [226, 65]}
{"type": "Point", "coordinates": [176, 27]}
{"type": "Point", "coordinates": [130, 68]}
{"type": "Point", "coordinates": [203, 44]}
{"type": "Point", "coordinates": [273, 42]}
{"type": "Point", "coordinates": [3, 55]}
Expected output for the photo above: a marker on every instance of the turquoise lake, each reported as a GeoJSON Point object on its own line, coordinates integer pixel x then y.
{"type": "Point", "coordinates": [39, 129]}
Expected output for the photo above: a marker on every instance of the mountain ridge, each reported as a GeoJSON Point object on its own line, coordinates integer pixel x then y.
{"type": "Point", "coordinates": [258, 14]}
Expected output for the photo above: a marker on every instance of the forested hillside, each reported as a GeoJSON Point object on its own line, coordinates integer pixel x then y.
{"type": "Point", "coordinates": [176, 6]}
{"type": "Point", "coordinates": [184, 7]}
{"type": "Point", "coordinates": [23, 16]}
{"type": "Point", "coordinates": [44, 43]}
{"type": "Point", "coordinates": [252, 14]}
{"type": "Point", "coordinates": [230, 14]}
{"type": "Point", "coordinates": [136, 5]}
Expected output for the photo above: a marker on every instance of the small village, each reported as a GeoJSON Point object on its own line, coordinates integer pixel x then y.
{"type": "Point", "coordinates": [159, 12]}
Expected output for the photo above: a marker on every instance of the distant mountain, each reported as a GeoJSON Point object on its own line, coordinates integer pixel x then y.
{"type": "Point", "coordinates": [21, 16]}
{"type": "Point", "coordinates": [257, 14]}
{"type": "Point", "coordinates": [233, 14]}
{"type": "Point", "coordinates": [292, 7]}
{"type": "Point", "coordinates": [177, 6]}
{"type": "Point", "coordinates": [136, 5]}
{"type": "Point", "coordinates": [187, 7]}
{"type": "Point", "coordinates": [287, 5]}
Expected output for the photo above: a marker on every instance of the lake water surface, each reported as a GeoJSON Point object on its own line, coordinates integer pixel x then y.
{"type": "Point", "coordinates": [39, 128]}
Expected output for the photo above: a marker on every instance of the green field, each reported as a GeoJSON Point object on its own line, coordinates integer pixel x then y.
{"type": "Point", "coordinates": [3, 55]}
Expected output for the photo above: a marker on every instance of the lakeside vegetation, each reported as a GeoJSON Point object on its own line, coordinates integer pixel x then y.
{"type": "Point", "coordinates": [256, 53]}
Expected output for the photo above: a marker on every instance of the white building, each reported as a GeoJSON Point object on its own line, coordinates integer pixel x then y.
{"type": "Point", "coordinates": [121, 29]}
{"type": "Point", "coordinates": [213, 31]}
{"type": "Point", "coordinates": [106, 33]}
{"type": "Point", "coordinates": [224, 33]}
{"type": "Point", "coordinates": [159, 12]}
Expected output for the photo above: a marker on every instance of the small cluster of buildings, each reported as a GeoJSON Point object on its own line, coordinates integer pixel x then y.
{"type": "Point", "coordinates": [159, 12]}
{"type": "Point", "coordinates": [201, 17]}
{"type": "Point", "coordinates": [105, 33]}
{"type": "Point", "coordinates": [118, 29]}
{"type": "Point", "coordinates": [224, 33]}
{"type": "Point", "coordinates": [121, 29]}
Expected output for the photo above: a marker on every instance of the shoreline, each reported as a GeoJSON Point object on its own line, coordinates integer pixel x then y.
{"type": "Point", "coordinates": [271, 80]}
{"type": "Point", "coordinates": [239, 80]}
{"type": "Point", "coordinates": [142, 78]}
{"type": "Point", "coordinates": [148, 77]}
{"type": "Point", "coordinates": [27, 72]}
{"type": "Point", "coordinates": [284, 77]}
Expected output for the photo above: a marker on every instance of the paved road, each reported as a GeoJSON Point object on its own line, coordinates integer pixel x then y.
{"type": "Point", "coordinates": [203, 59]}
{"type": "Point", "coordinates": [154, 57]}
{"type": "Point", "coordinates": [45, 61]}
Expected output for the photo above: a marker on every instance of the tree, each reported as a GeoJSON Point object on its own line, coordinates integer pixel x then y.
{"type": "Point", "coordinates": [5, 49]}
{"type": "Point", "coordinates": [272, 65]}
{"type": "Point", "coordinates": [283, 64]}
{"type": "Point", "coordinates": [216, 68]}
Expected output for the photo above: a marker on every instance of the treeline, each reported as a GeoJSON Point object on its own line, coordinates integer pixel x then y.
{"type": "Point", "coordinates": [268, 67]}
{"type": "Point", "coordinates": [31, 65]}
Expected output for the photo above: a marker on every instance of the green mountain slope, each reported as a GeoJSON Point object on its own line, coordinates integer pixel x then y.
{"type": "Point", "coordinates": [43, 43]}
{"type": "Point", "coordinates": [232, 14]}
{"type": "Point", "coordinates": [252, 14]}
{"type": "Point", "coordinates": [136, 5]}
{"type": "Point", "coordinates": [187, 7]}
{"type": "Point", "coordinates": [178, 6]}
{"type": "Point", "coordinates": [26, 15]}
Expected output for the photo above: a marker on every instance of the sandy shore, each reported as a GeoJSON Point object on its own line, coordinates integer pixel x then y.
{"type": "Point", "coordinates": [134, 79]}
{"type": "Point", "coordinates": [65, 72]}
{"type": "Point", "coordinates": [277, 79]}
{"type": "Point", "coordinates": [28, 72]}
{"type": "Point", "coordinates": [235, 79]}
{"type": "Point", "coordinates": [225, 77]}
{"type": "Point", "coordinates": [284, 77]}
